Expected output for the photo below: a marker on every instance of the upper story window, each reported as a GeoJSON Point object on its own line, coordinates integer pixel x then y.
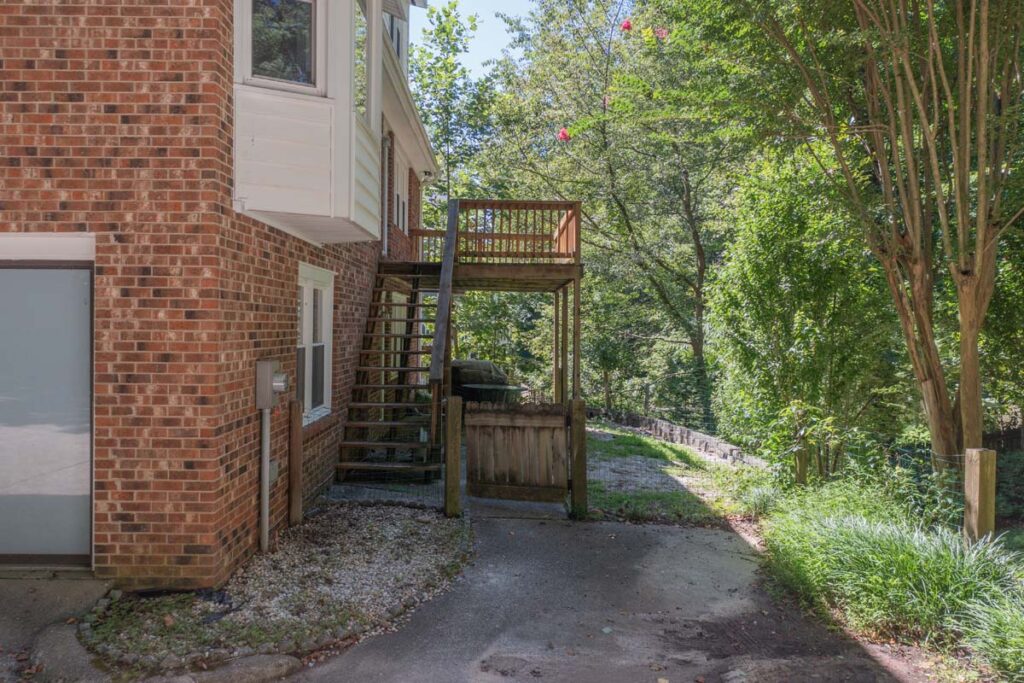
{"type": "Point", "coordinates": [285, 42]}
{"type": "Point", "coordinates": [360, 61]}
{"type": "Point", "coordinates": [395, 29]}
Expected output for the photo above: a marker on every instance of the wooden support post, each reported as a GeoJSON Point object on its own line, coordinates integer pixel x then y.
{"type": "Point", "coordinates": [564, 362]}
{"type": "Point", "coordinates": [453, 458]}
{"type": "Point", "coordinates": [577, 329]}
{"type": "Point", "coordinates": [295, 463]}
{"type": "Point", "coordinates": [979, 493]}
{"type": "Point", "coordinates": [435, 412]}
{"type": "Point", "coordinates": [578, 441]}
{"type": "Point", "coordinates": [556, 374]}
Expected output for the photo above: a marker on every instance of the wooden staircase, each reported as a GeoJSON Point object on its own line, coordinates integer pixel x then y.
{"type": "Point", "coordinates": [391, 422]}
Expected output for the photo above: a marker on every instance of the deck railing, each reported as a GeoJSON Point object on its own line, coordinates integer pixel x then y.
{"type": "Point", "coordinates": [508, 231]}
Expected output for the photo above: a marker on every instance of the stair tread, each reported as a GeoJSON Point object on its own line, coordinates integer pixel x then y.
{"type": "Point", "coordinates": [400, 320]}
{"type": "Point", "coordinates": [388, 368]}
{"type": "Point", "coordinates": [363, 405]}
{"type": "Point", "coordinates": [385, 444]}
{"type": "Point", "coordinates": [390, 466]}
{"type": "Point", "coordinates": [391, 386]}
{"type": "Point", "coordinates": [406, 353]}
{"type": "Point", "coordinates": [400, 335]}
{"type": "Point", "coordinates": [389, 423]}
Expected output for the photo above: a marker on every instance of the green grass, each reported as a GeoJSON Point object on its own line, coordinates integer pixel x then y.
{"type": "Point", "coordinates": [625, 444]}
{"type": "Point", "coordinates": [707, 491]}
{"type": "Point", "coordinates": [850, 550]}
{"type": "Point", "coordinates": [677, 507]}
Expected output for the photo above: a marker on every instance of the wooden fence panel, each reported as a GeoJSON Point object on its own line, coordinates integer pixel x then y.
{"type": "Point", "coordinates": [519, 452]}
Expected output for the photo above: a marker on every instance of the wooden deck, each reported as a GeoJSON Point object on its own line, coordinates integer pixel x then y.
{"type": "Point", "coordinates": [492, 277]}
{"type": "Point", "coordinates": [503, 245]}
{"type": "Point", "coordinates": [488, 245]}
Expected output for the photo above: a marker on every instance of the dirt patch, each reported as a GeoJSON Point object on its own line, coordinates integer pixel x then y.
{"type": "Point", "coordinates": [639, 473]}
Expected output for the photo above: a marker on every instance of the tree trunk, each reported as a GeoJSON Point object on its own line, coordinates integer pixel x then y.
{"type": "Point", "coordinates": [973, 304]}
{"type": "Point", "coordinates": [606, 377]}
{"type": "Point", "coordinates": [910, 285]}
{"type": "Point", "coordinates": [703, 379]}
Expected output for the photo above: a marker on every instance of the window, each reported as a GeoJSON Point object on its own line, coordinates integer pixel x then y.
{"type": "Point", "coordinates": [360, 60]}
{"type": "Point", "coordinates": [283, 44]}
{"type": "Point", "coordinates": [401, 192]}
{"type": "Point", "coordinates": [313, 353]}
{"type": "Point", "coordinates": [394, 28]}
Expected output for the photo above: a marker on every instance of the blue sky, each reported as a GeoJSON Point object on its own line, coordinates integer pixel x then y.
{"type": "Point", "coordinates": [490, 38]}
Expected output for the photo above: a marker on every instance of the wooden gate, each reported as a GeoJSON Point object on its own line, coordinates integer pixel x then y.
{"type": "Point", "coordinates": [519, 452]}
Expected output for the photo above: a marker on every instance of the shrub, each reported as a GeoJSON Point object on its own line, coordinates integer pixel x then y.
{"type": "Point", "coordinates": [852, 548]}
{"type": "Point", "coordinates": [759, 500]}
{"type": "Point", "coordinates": [995, 630]}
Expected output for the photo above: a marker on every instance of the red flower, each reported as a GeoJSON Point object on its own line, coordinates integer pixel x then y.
{"type": "Point", "coordinates": [627, 25]}
{"type": "Point", "coordinates": [563, 135]}
{"type": "Point", "coordinates": [661, 32]}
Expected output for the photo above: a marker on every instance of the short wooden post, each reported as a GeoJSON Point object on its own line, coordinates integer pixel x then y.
{"type": "Point", "coordinates": [295, 463]}
{"type": "Point", "coordinates": [979, 493]}
{"type": "Point", "coordinates": [801, 458]}
{"type": "Point", "coordinates": [578, 440]}
{"type": "Point", "coordinates": [453, 458]}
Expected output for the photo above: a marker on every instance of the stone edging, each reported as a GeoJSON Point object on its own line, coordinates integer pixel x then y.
{"type": "Point", "coordinates": [668, 431]}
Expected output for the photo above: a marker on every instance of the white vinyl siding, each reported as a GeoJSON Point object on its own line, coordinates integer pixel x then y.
{"type": "Point", "coordinates": [306, 162]}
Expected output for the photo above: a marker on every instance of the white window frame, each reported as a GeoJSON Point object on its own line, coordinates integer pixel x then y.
{"type": "Point", "coordinates": [244, 53]}
{"type": "Point", "coordinates": [401, 192]}
{"type": "Point", "coordinates": [310, 278]}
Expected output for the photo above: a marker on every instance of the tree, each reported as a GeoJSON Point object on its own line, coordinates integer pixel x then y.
{"type": "Point", "coordinates": [798, 309]}
{"type": "Point", "coordinates": [454, 106]}
{"type": "Point", "coordinates": [920, 106]}
{"type": "Point", "coordinates": [579, 117]}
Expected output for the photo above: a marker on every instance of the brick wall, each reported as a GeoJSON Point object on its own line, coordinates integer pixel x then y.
{"type": "Point", "coordinates": [260, 284]}
{"type": "Point", "coordinates": [115, 118]}
{"type": "Point", "coordinates": [107, 127]}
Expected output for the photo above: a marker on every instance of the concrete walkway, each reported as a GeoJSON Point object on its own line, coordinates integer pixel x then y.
{"type": "Point", "coordinates": [28, 606]}
{"type": "Point", "coordinates": [548, 599]}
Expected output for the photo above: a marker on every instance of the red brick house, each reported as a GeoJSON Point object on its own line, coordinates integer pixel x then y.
{"type": "Point", "coordinates": [187, 186]}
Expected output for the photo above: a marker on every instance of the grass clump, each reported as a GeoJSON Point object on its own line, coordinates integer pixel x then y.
{"type": "Point", "coordinates": [852, 550]}
{"type": "Point", "coordinates": [995, 630]}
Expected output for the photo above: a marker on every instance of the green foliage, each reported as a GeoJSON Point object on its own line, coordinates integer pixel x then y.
{"type": "Point", "coordinates": [799, 313]}
{"type": "Point", "coordinates": [849, 547]}
{"type": "Point", "coordinates": [1010, 486]}
{"type": "Point", "coordinates": [454, 107]}
{"type": "Point", "coordinates": [501, 327]}
{"type": "Point", "coordinates": [995, 630]}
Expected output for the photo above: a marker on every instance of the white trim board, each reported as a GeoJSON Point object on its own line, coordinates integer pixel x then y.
{"type": "Point", "coordinates": [23, 246]}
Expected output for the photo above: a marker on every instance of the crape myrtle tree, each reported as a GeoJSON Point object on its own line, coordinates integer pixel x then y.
{"type": "Point", "coordinates": [919, 104]}
{"type": "Point", "coordinates": [581, 116]}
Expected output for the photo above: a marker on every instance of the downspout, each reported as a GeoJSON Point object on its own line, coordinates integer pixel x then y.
{"type": "Point", "coordinates": [385, 192]}
{"type": "Point", "coordinates": [265, 480]}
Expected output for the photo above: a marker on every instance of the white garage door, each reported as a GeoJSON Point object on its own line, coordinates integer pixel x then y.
{"type": "Point", "coordinates": [45, 415]}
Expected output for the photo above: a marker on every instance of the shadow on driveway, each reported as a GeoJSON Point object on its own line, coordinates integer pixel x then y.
{"type": "Point", "coordinates": [548, 599]}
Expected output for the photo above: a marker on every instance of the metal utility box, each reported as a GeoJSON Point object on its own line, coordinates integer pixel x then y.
{"type": "Point", "coordinates": [270, 381]}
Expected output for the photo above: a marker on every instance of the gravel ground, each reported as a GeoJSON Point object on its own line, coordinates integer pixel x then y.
{"type": "Point", "coordinates": [638, 473]}
{"type": "Point", "coordinates": [349, 570]}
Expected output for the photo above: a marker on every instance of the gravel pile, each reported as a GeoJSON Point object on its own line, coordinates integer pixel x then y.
{"type": "Point", "coordinates": [348, 571]}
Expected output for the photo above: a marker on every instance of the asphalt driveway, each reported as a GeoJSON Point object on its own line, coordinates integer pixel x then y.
{"type": "Point", "coordinates": [548, 599]}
